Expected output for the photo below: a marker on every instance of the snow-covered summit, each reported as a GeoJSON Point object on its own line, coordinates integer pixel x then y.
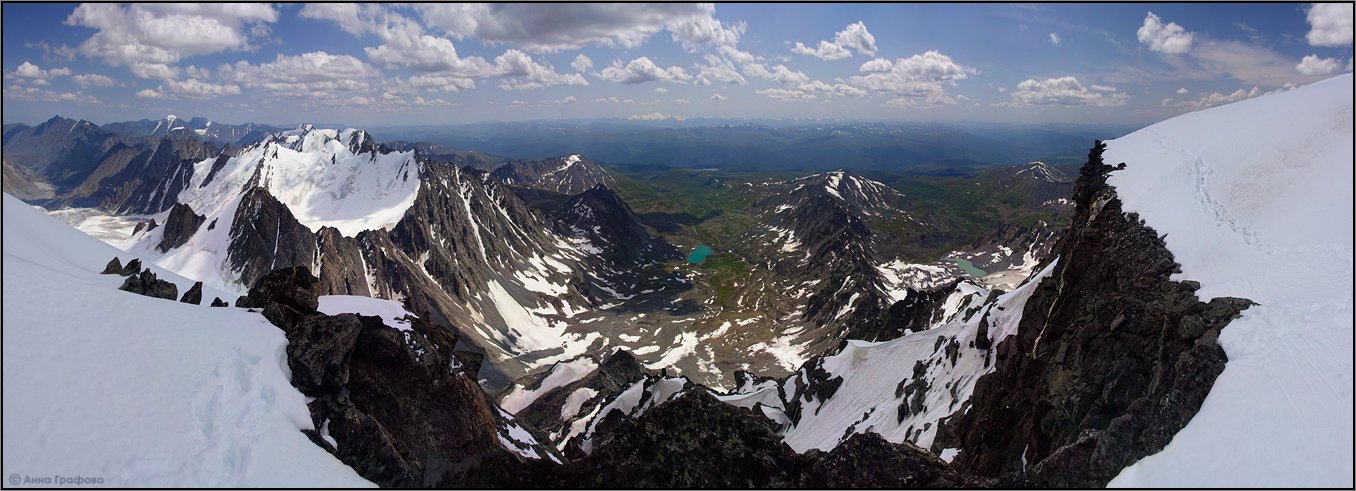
{"type": "Point", "coordinates": [1255, 201]}
{"type": "Point", "coordinates": [1042, 171]}
{"type": "Point", "coordinates": [566, 174]}
{"type": "Point", "coordinates": [871, 197]}
{"type": "Point", "coordinates": [326, 177]}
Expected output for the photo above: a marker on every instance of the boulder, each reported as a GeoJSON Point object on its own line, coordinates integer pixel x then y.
{"type": "Point", "coordinates": [145, 226]}
{"type": "Point", "coordinates": [132, 267]}
{"type": "Point", "coordinates": [114, 267]}
{"type": "Point", "coordinates": [218, 302]}
{"type": "Point", "coordinates": [286, 296]}
{"type": "Point", "coordinates": [193, 295]}
{"type": "Point", "coordinates": [147, 284]}
{"type": "Point", "coordinates": [318, 352]}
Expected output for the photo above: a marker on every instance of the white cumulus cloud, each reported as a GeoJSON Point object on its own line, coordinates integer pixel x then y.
{"type": "Point", "coordinates": [923, 77]}
{"type": "Point", "coordinates": [655, 116]}
{"type": "Point", "coordinates": [34, 73]}
{"type": "Point", "coordinates": [1313, 65]}
{"type": "Point", "coordinates": [188, 89]}
{"type": "Point", "coordinates": [854, 37]}
{"type": "Point", "coordinates": [315, 74]}
{"type": "Point", "coordinates": [550, 27]}
{"type": "Point", "coordinates": [1065, 91]}
{"type": "Point", "coordinates": [1330, 24]}
{"type": "Point", "coordinates": [581, 63]}
{"type": "Point", "coordinates": [642, 70]}
{"type": "Point", "coordinates": [94, 80]}
{"type": "Point", "coordinates": [786, 94]}
{"type": "Point", "coordinates": [164, 33]}
{"type": "Point", "coordinates": [1167, 38]}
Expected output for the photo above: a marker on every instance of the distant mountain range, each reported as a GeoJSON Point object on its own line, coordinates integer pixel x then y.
{"type": "Point", "coordinates": [799, 146]}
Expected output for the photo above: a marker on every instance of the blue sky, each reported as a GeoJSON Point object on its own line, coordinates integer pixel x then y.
{"type": "Point", "coordinates": [448, 63]}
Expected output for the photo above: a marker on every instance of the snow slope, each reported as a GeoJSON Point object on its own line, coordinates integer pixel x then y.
{"type": "Point", "coordinates": [869, 397]}
{"type": "Point", "coordinates": [392, 313]}
{"type": "Point", "coordinates": [136, 390]}
{"type": "Point", "coordinates": [1256, 201]}
{"type": "Point", "coordinates": [560, 374]}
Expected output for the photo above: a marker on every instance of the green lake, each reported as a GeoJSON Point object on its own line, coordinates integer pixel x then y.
{"type": "Point", "coordinates": [699, 254]}
{"type": "Point", "coordinates": [967, 266]}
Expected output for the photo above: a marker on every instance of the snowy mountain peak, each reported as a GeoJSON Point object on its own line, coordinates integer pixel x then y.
{"type": "Point", "coordinates": [568, 174]}
{"type": "Point", "coordinates": [326, 177]}
{"type": "Point", "coordinates": [1042, 171]}
{"type": "Point", "coordinates": [872, 197]}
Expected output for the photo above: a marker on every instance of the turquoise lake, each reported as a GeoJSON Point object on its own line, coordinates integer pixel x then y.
{"type": "Point", "coordinates": [967, 266]}
{"type": "Point", "coordinates": [699, 254]}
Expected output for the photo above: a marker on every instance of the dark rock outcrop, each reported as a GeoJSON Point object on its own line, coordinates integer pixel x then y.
{"type": "Point", "coordinates": [193, 295]}
{"type": "Point", "coordinates": [865, 460]}
{"type": "Point", "coordinates": [812, 382]}
{"type": "Point", "coordinates": [600, 219]}
{"type": "Point", "coordinates": [132, 267]}
{"type": "Point", "coordinates": [399, 404]}
{"type": "Point", "coordinates": [696, 441]}
{"type": "Point", "coordinates": [287, 296]}
{"type": "Point", "coordinates": [146, 226]}
{"type": "Point", "coordinates": [114, 267]}
{"type": "Point", "coordinates": [1111, 359]}
{"type": "Point", "coordinates": [919, 310]}
{"type": "Point", "coordinates": [218, 302]}
{"type": "Point", "coordinates": [342, 264]}
{"type": "Point", "coordinates": [615, 374]}
{"type": "Point", "coordinates": [982, 340]}
{"type": "Point", "coordinates": [181, 224]}
{"type": "Point", "coordinates": [147, 284]}
{"type": "Point", "coordinates": [318, 352]}
{"type": "Point", "coordinates": [265, 236]}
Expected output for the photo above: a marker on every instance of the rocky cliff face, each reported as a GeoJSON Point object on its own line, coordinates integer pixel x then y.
{"type": "Point", "coordinates": [396, 405]}
{"type": "Point", "coordinates": [181, 224]}
{"type": "Point", "coordinates": [61, 151]}
{"type": "Point", "coordinates": [1112, 357]}
{"type": "Point", "coordinates": [617, 247]}
{"type": "Point", "coordinates": [140, 175]}
{"type": "Point", "coordinates": [561, 413]}
{"type": "Point", "coordinates": [265, 236]}
{"type": "Point", "coordinates": [696, 441]}
{"type": "Point", "coordinates": [88, 166]}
